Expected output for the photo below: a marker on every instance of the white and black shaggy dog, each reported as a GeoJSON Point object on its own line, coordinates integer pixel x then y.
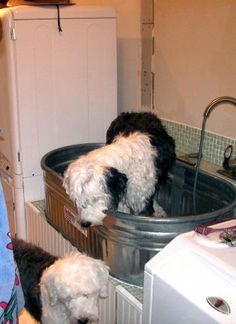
{"type": "Point", "coordinates": [60, 290]}
{"type": "Point", "coordinates": [126, 173]}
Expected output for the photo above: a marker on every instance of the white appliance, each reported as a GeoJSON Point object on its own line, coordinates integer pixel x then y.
{"type": "Point", "coordinates": [192, 280]}
{"type": "Point", "coordinates": [57, 88]}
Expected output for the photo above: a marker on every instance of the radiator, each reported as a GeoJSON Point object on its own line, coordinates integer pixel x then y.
{"type": "Point", "coordinates": [120, 307]}
{"type": "Point", "coordinates": [39, 232]}
{"type": "Point", "coordinates": [128, 308]}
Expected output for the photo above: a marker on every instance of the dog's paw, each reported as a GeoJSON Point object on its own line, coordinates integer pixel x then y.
{"type": "Point", "coordinates": [123, 208]}
{"type": "Point", "coordinates": [159, 211]}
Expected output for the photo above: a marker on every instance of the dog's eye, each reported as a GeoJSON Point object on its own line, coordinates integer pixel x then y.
{"type": "Point", "coordinates": [84, 204]}
{"type": "Point", "coordinates": [85, 296]}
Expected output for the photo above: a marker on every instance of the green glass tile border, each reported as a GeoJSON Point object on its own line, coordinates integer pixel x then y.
{"type": "Point", "coordinates": [187, 140]}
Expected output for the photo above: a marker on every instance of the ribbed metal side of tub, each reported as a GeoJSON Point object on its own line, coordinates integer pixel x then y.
{"type": "Point", "coordinates": [126, 242]}
{"type": "Point", "coordinates": [61, 214]}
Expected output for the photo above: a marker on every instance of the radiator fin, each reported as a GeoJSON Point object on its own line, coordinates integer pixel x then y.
{"type": "Point", "coordinates": [128, 308]}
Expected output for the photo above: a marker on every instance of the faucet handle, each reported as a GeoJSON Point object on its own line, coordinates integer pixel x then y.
{"type": "Point", "coordinates": [227, 155]}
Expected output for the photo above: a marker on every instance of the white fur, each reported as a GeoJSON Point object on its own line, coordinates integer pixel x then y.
{"type": "Point", "coordinates": [85, 182]}
{"type": "Point", "coordinates": [158, 210]}
{"type": "Point", "coordinates": [70, 289]}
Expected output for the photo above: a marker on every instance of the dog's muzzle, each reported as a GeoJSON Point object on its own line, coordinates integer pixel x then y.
{"type": "Point", "coordinates": [83, 320]}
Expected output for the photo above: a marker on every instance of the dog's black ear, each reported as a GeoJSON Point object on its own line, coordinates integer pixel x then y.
{"type": "Point", "coordinates": [116, 185]}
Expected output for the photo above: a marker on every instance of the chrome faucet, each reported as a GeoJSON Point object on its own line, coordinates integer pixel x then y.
{"type": "Point", "coordinates": [216, 102]}
{"type": "Point", "coordinates": [210, 107]}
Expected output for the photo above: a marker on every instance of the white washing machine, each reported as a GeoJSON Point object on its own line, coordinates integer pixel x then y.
{"type": "Point", "coordinates": [193, 280]}
{"type": "Point", "coordinates": [58, 88]}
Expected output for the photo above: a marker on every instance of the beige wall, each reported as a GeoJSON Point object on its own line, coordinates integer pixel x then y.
{"type": "Point", "coordinates": [195, 61]}
{"type": "Point", "coordinates": [128, 50]}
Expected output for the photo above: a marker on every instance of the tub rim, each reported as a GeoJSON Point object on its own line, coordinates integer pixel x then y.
{"type": "Point", "coordinates": [146, 219]}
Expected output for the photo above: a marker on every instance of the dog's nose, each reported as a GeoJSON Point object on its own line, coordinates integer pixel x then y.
{"type": "Point", "coordinates": [83, 320]}
{"type": "Point", "coordinates": [85, 223]}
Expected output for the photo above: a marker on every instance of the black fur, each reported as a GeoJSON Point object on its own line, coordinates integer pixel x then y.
{"type": "Point", "coordinates": [116, 184]}
{"type": "Point", "coordinates": [148, 210]}
{"type": "Point", "coordinates": [148, 123]}
{"type": "Point", "coordinates": [31, 261]}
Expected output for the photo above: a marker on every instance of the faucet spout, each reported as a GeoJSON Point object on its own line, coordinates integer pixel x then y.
{"type": "Point", "coordinates": [210, 107]}
{"type": "Point", "coordinates": [215, 102]}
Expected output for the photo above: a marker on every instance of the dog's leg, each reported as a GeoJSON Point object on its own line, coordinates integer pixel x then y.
{"type": "Point", "coordinates": [116, 186]}
{"type": "Point", "coordinates": [148, 209]}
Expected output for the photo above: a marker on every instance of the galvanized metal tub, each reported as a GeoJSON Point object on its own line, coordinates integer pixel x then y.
{"type": "Point", "coordinates": [126, 242]}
